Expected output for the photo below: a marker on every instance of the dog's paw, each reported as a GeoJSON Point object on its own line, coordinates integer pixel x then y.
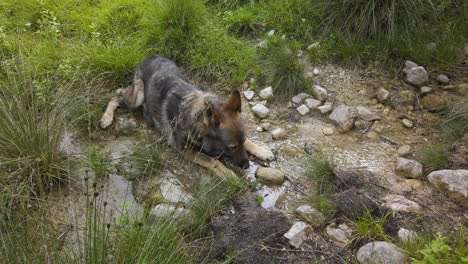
{"type": "Point", "coordinates": [106, 121]}
{"type": "Point", "coordinates": [264, 153]}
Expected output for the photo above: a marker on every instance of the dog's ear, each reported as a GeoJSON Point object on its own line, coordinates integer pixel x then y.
{"type": "Point", "coordinates": [212, 113]}
{"type": "Point", "coordinates": [234, 103]}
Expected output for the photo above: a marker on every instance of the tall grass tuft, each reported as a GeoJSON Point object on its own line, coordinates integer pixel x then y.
{"type": "Point", "coordinates": [33, 117]}
{"type": "Point", "coordinates": [171, 26]}
{"type": "Point", "coordinates": [284, 70]}
{"type": "Point", "coordinates": [433, 158]}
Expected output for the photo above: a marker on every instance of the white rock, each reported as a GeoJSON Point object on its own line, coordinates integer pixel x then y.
{"type": "Point", "coordinates": [400, 203]}
{"type": "Point", "coordinates": [313, 45]}
{"type": "Point", "coordinates": [260, 110]}
{"type": "Point", "coordinates": [262, 44]}
{"type": "Point", "coordinates": [410, 64]}
{"type": "Point", "coordinates": [249, 94]}
{"type": "Point", "coordinates": [417, 76]}
{"type": "Point", "coordinates": [409, 168]}
{"type": "Point", "coordinates": [366, 114]}
{"type": "Point", "coordinates": [319, 93]}
{"type": "Point", "coordinates": [270, 175]}
{"type": "Point", "coordinates": [297, 233]}
{"type": "Point", "coordinates": [327, 131]}
{"type": "Point", "coordinates": [303, 109]}
{"type": "Point", "coordinates": [341, 235]}
{"type": "Point", "coordinates": [312, 103]}
{"type": "Point", "coordinates": [271, 33]}
{"type": "Point", "coordinates": [298, 99]}
{"type": "Point", "coordinates": [174, 193]}
{"type": "Point", "coordinates": [344, 116]}
{"type": "Point", "coordinates": [259, 129]}
{"type": "Point", "coordinates": [167, 210]}
{"type": "Point", "coordinates": [382, 94]}
{"type": "Point", "coordinates": [310, 215]}
{"type": "Point", "coordinates": [324, 108]}
{"type": "Point", "coordinates": [407, 123]}
{"type": "Point", "coordinates": [426, 90]}
{"type": "Point", "coordinates": [454, 182]}
{"type": "Point", "coordinates": [266, 93]}
{"type": "Point", "coordinates": [316, 71]}
{"type": "Point", "coordinates": [300, 53]}
{"type": "Point", "coordinates": [406, 235]}
{"type": "Point", "coordinates": [278, 133]}
{"type": "Point", "coordinates": [265, 126]}
{"type": "Point", "coordinates": [443, 79]}
{"type": "Point", "coordinates": [380, 252]}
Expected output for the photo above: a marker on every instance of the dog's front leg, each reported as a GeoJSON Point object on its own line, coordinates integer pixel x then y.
{"type": "Point", "coordinates": [208, 162]}
{"type": "Point", "coordinates": [261, 152]}
{"type": "Point", "coordinates": [108, 115]}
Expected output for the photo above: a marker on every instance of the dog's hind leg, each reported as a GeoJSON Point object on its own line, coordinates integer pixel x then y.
{"type": "Point", "coordinates": [261, 152]}
{"type": "Point", "coordinates": [208, 162]}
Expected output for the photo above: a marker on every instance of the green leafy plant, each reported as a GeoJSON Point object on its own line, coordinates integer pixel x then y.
{"type": "Point", "coordinates": [369, 227]}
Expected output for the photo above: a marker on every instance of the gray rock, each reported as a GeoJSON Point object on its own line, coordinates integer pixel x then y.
{"type": "Point", "coordinates": [260, 110]}
{"type": "Point", "coordinates": [426, 90]}
{"type": "Point", "coordinates": [310, 215]}
{"type": "Point", "coordinates": [249, 94]}
{"type": "Point", "coordinates": [167, 210]}
{"type": "Point", "coordinates": [173, 192]}
{"type": "Point", "coordinates": [303, 109]}
{"type": "Point", "coordinates": [454, 182]}
{"type": "Point", "coordinates": [265, 126]}
{"type": "Point", "coordinates": [316, 71]}
{"type": "Point", "coordinates": [266, 93]}
{"type": "Point", "coordinates": [382, 94]}
{"type": "Point", "coordinates": [262, 44]}
{"type": "Point", "coordinates": [270, 175]}
{"type": "Point", "coordinates": [328, 131]}
{"type": "Point", "coordinates": [443, 79]}
{"type": "Point", "coordinates": [278, 133]}
{"type": "Point", "coordinates": [341, 235]}
{"type": "Point", "coordinates": [271, 33]}
{"type": "Point", "coordinates": [313, 45]}
{"type": "Point", "coordinates": [300, 53]}
{"type": "Point", "coordinates": [406, 235]}
{"type": "Point", "coordinates": [400, 203]}
{"type": "Point", "coordinates": [298, 99]}
{"type": "Point", "coordinates": [297, 233]}
{"type": "Point", "coordinates": [344, 116]}
{"type": "Point", "coordinates": [410, 64]}
{"type": "Point", "coordinates": [417, 76]}
{"type": "Point", "coordinates": [404, 150]}
{"type": "Point", "coordinates": [126, 125]}
{"type": "Point", "coordinates": [366, 114]}
{"type": "Point", "coordinates": [312, 103]}
{"type": "Point", "coordinates": [325, 108]}
{"type": "Point", "coordinates": [319, 93]}
{"type": "Point", "coordinates": [409, 168]}
{"type": "Point", "coordinates": [380, 252]}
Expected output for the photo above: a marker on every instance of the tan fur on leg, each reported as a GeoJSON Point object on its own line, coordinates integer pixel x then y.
{"type": "Point", "coordinates": [108, 115]}
{"type": "Point", "coordinates": [261, 152]}
{"type": "Point", "coordinates": [208, 162]}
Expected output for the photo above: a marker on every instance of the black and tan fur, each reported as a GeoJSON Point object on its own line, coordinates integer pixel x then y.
{"type": "Point", "coordinates": [203, 125]}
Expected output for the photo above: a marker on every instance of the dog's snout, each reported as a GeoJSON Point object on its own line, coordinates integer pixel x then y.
{"type": "Point", "coordinates": [245, 164]}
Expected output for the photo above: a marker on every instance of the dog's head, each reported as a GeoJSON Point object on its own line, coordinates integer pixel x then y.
{"type": "Point", "coordinates": [223, 134]}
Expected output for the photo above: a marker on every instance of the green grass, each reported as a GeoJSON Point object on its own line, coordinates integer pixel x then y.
{"type": "Point", "coordinates": [150, 154]}
{"type": "Point", "coordinates": [283, 69]}
{"type": "Point", "coordinates": [435, 248]}
{"type": "Point", "coordinates": [369, 228]}
{"type": "Point", "coordinates": [433, 158]}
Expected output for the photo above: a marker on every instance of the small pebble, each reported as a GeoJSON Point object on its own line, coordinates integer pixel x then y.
{"type": "Point", "coordinates": [327, 131]}
{"type": "Point", "coordinates": [407, 123]}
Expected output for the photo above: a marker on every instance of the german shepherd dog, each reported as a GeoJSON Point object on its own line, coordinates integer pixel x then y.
{"type": "Point", "coordinates": [200, 124]}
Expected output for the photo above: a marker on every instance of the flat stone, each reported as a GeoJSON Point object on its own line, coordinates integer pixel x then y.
{"type": "Point", "coordinates": [328, 131]}
{"type": "Point", "coordinates": [310, 215]}
{"type": "Point", "coordinates": [278, 133]}
{"type": "Point", "coordinates": [312, 103]}
{"type": "Point", "coordinates": [270, 175]}
{"type": "Point", "coordinates": [260, 110]}
{"type": "Point", "coordinates": [249, 94]}
{"type": "Point", "coordinates": [303, 109]}
{"type": "Point", "coordinates": [380, 252]}
{"type": "Point", "coordinates": [319, 92]}
{"type": "Point", "coordinates": [409, 168]}
{"type": "Point", "coordinates": [400, 203]}
{"type": "Point", "coordinates": [426, 90]}
{"type": "Point", "coordinates": [344, 116]}
{"type": "Point", "coordinates": [366, 114]}
{"type": "Point", "coordinates": [266, 93]}
{"type": "Point", "coordinates": [341, 235]}
{"type": "Point", "coordinates": [404, 150]}
{"type": "Point", "coordinates": [325, 108]}
{"type": "Point", "coordinates": [297, 233]}
{"type": "Point", "coordinates": [454, 182]}
{"type": "Point", "coordinates": [407, 123]}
